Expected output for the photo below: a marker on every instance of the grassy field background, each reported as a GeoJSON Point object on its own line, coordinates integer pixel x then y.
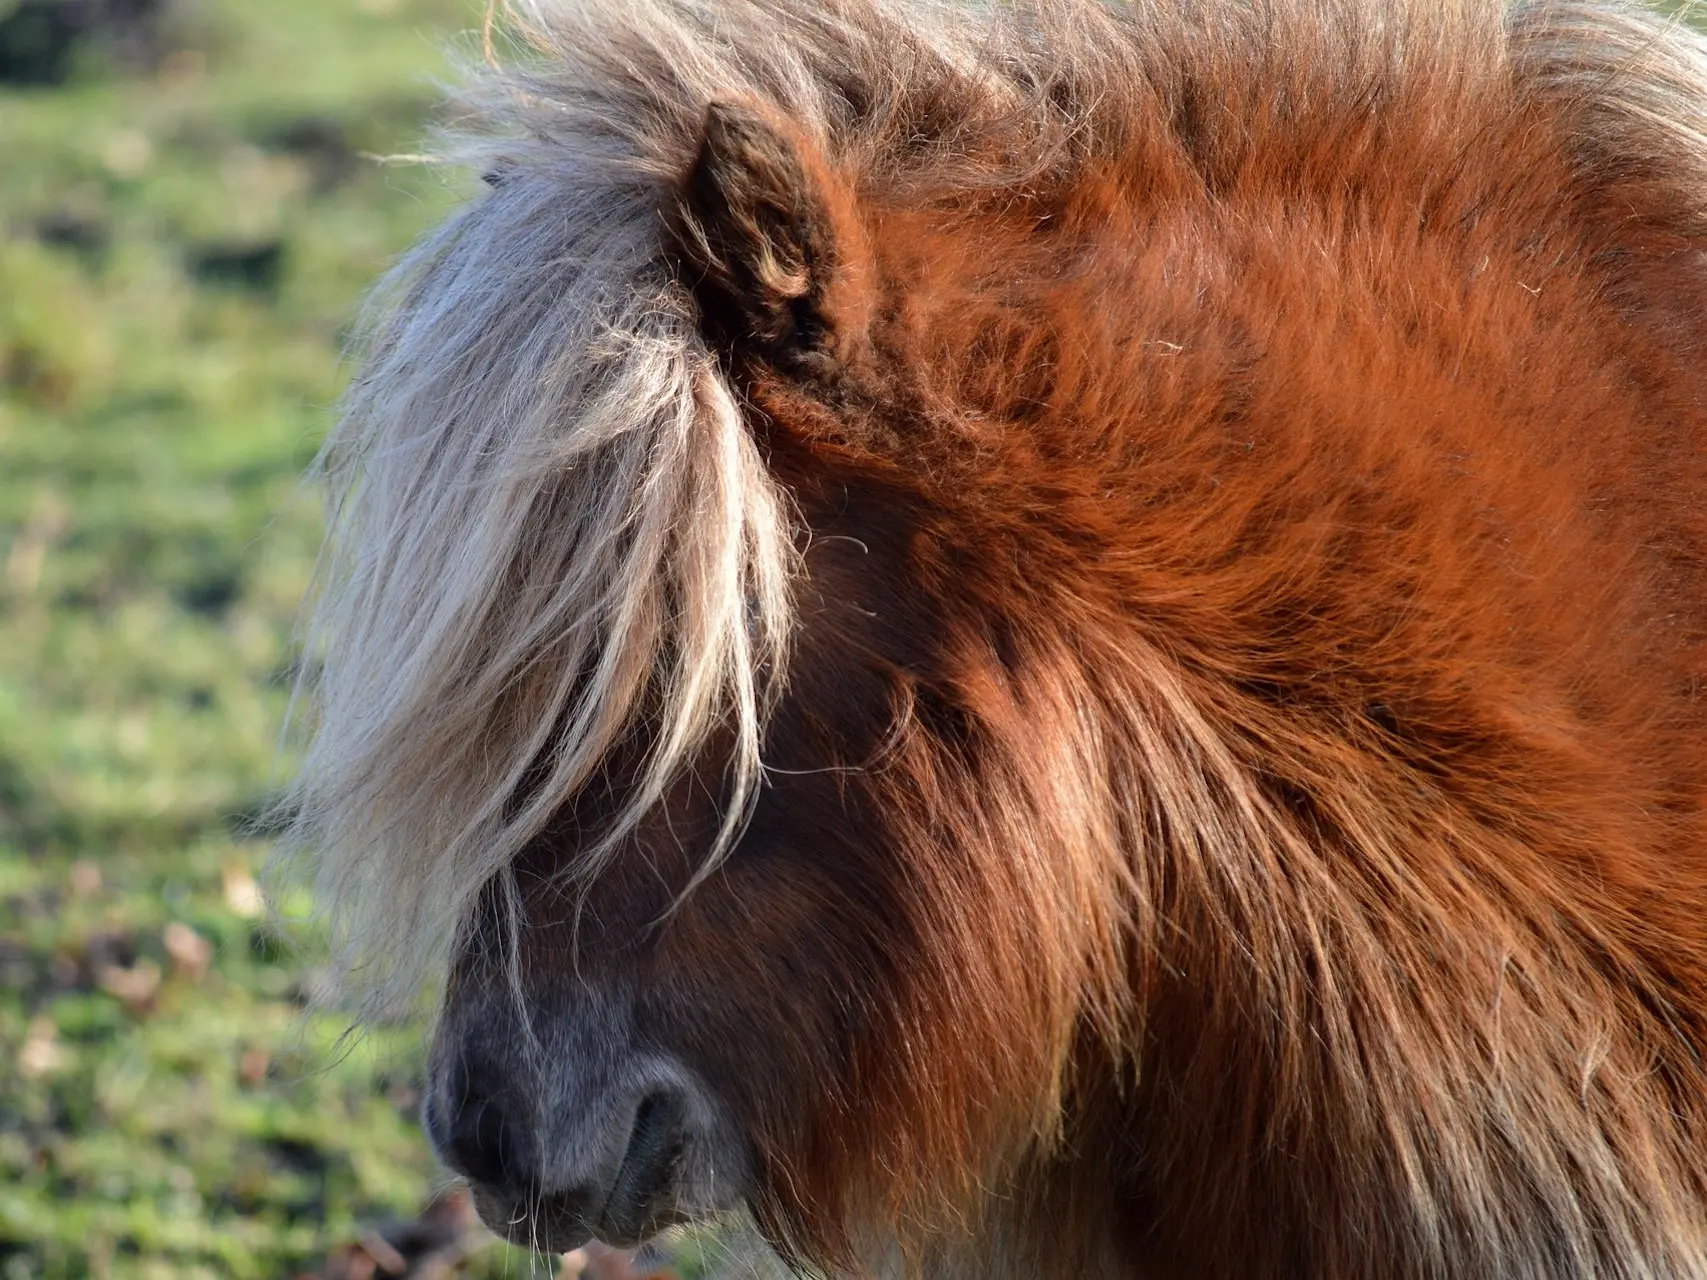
{"type": "Point", "coordinates": [188, 215]}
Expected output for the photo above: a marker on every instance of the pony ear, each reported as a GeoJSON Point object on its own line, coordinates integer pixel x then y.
{"type": "Point", "coordinates": [768, 240]}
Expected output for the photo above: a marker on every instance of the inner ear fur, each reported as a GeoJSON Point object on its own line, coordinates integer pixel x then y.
{"type": "Point", "coordinates": [769, 242]}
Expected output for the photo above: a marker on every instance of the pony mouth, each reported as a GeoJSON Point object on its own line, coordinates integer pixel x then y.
{"type": "Point", "coordinates": [541, 1224]}
{"type": "Point", "coordinates": [639, 1202]}
{"type": "Point", "coordinates": [560, 1223]}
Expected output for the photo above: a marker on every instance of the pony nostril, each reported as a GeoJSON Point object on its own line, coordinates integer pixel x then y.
{"type": "Point", "coordinates": [484, 1144]}
{"type": "Point", "coordinates": [654, 1147]}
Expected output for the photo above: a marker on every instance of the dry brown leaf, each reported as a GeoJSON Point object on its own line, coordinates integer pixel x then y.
{"type": "Point", "coordinates": [252, 1066]}
{"type": "Point", "coordinates": [135, 986]}
{"type": "Point", "coordinates": [242, 893]}
{"type": "Point", "coordinates": [189, 952]}
{"type": "Point", "coordinates": [41, 1053]}
{"type": "Point", "coordinates": [85, 878]}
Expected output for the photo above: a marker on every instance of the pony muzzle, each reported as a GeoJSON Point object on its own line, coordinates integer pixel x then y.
{"type": "Point", "coordinates": [616, 1150]}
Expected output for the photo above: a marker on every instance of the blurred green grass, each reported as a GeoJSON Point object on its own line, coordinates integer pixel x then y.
{"type": "Point", "coordinates": [184, 235]}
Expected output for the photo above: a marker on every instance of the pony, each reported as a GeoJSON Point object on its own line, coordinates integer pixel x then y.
{"type": "Point", "coordinates": [1050, 638]}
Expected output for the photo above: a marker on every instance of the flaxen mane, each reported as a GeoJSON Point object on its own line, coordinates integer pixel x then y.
{"type": "Point", "coordinates": [1095, 610]}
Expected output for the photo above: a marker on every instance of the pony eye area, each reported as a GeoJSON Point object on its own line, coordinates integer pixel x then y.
{"type": "Point", "coordinates": [1100, 608]}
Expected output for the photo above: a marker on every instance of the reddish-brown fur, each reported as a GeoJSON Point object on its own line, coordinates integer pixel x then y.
{"type": "Point", "coordinates": [1236, 807]}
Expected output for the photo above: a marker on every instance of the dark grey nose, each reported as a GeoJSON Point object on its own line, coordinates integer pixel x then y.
{"type": "Point", "coordinates": [614, 1180]}
{"type": "Point", "coordinates": [568, 1129]}
{"type": "Point", "coordinates": [481, 1140]}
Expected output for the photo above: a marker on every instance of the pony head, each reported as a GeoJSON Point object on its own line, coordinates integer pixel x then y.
{"type": "Point", "coordinates": [841, 654]}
